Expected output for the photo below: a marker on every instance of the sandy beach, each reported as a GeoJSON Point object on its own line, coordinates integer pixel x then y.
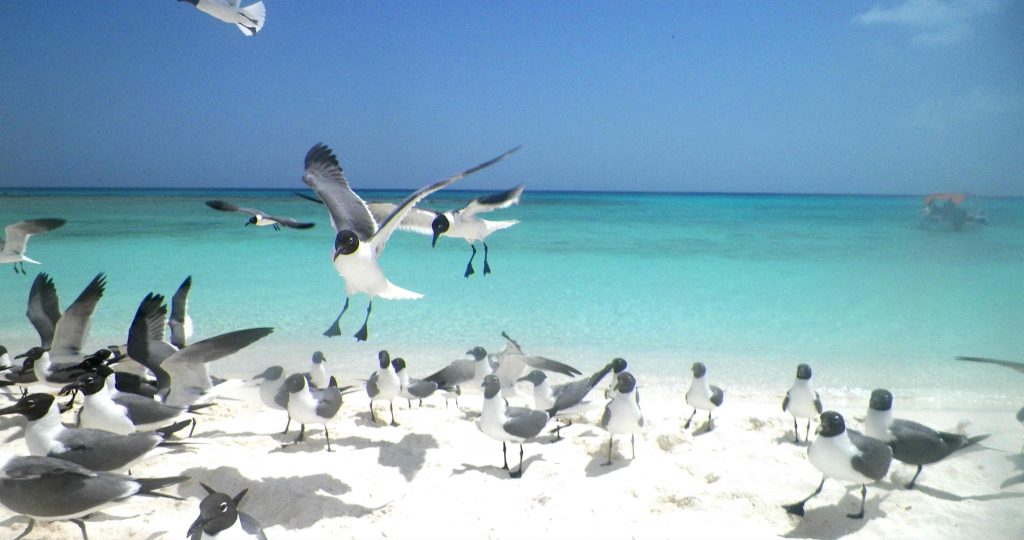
{"type": "Point", "coordinates": [437, 476]}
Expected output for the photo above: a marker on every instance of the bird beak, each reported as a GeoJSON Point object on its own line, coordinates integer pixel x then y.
{"type": "Point", "coordinates": [65, 407]}
{"type": "Point", "coordinates": [433, 242]}
{"type": "Point", "coordinates": [13, 409]}
{"type": "Point", "coordinates": [817, 430]}
{"type": "Point", "coordinates": [69, 388]}
{"type": "Point", "coordinates": [196, 526]}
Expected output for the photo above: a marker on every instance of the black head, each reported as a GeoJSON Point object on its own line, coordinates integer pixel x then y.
{"type": "Point", "coordinates": [272, 373]}
{"type": "Point", "coordinates": [625, 382]}
{"type": "Point", "coordinates": [491, 385]}
{"type": "Point", "coordinates": [252, 221]}
{"type": "Point", "coordinates": [698, 370]}
{"type": "Point", "coordinates": [535, 377]}
{"type": "Point", "coordinates": [383, 359]}
{"type": "Point", "coordinates": [295, 382]}
{"type": "Point", "coordinates": [803, 372]}
{"type": "Point", "coordinates": [399, 364]}
{"type": "Point", "coordinates": [319, 358]}
{"type": "Point", "coordinates": [881, 400]}
{"type": "Point", "coordinates": [618, 365]}
{"type": "Point", "coordinates": [33, 354]}
{"type": "Point", "coordinates": [32, 406]}
{"type": "Point", "coordinates": [345, 243]}
{"type": "Point", "coordinates": [217, 512]}
{"type": "Point", "coordinates": [91, 383]}
{"type": "Point", "coordinates": [832, 424]}
{"type": "Point", "coordinates": [440, 226]}
{"type": "Point", "coordinates": [478, 353]}
{"type": "Point", "coordinates": [3, 350]}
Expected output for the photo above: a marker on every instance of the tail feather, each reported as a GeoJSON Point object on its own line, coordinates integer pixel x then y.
{"type": "Point", "coordinates": [199, 406]}
{"type": "Point", "coordinates": [257, 14]}
{"type": "Point", "coordinates": [394, 292]}
{"type": "Point", "coordinates": [167, 431]}
{"type": "Point", "coordinates": [148, 486]}
{"type": "Point", "coordinates": [498, 225]}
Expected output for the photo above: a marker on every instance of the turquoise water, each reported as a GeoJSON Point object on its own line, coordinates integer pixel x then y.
{"type": "Point", "coordinates": [750, 284]}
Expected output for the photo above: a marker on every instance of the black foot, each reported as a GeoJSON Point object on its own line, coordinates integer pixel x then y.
{"type": "Point", "coordinates": [334, 330]}
{"type": "Point", "coordinates": [858, 515]}
{"type": "Point", "coordinates": [487, 268]}
{"type": "Point", "coordinates": [193, 430]}
{"type": "Point", "coordinates": [607, 463]}
{"type": "Point", "coordinates": [469, 270]}
{"type": "Point", "coordinates": [361, 334]}
{"type": "Point", "coordinates": [910, 485]}
{"type": "Point", "coordinates": [686, 425]}
{"type": "Point", "coordinates": [393, 423]}
{"type": "Point", "coordinates": [515, 474]}
{"type": "Point", "coordinates": [796, 509]}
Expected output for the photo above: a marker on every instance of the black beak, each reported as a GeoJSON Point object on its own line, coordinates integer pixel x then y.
{"type": "Point", "coordinates": [433, 242]}
{"type": "Point", "coordinates": [67, 389]}
{"type": "Point", "coordinates": [196, 526]}
{"type": "Point", "coordinates": [13, 409]}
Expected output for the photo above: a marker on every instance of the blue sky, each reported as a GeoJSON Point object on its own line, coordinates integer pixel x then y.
{"type": "Point", "coordinates": [825, 97]}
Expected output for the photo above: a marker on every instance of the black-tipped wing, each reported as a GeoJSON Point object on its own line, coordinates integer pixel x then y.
{"type": "Point", "coordinates": [390, 223]}
{"type": "Point", "coordinates": [525, 423]}
{"type": "Point", "coordinates": [328, 402]}
{"type": "Point", "coordinates": [73, 326]}
{"type": "Point", "coordinates": [104, 451]}
{"type": "Point", "coordinates": [785, 402]}
{"type": "Point", "coordinates": [1016, 366]}
{"type": "Point", "coordinates": [458, 372]}
{"type": "Point", "coordinates": [919, 444]}
{"type": "Point", "coordinates": [417, 220]}
{"type": "Point", "coordinates": [146, 343]}
{"type": "Point", "coordinates": [874, 458]}
{"type": "Point", "coordinates": [179, 310]}
{"type": "Point", "coordinates": [290, 223]}
{"type": "Point", "coordinates": [422, 388]}
{"type": "Point", "coordinates": [493, 201]}
{"type": "Point", "coordinates": [346, 209]}
{"type": "Point", "coordinates": [143, 410]}
{"type": "Point", "coordinates": [572, 394]}
{"type": "Point", "coordinates": [43, 308]}
{"type": "Point", "coordinates": [225, 206]}
{"type": "Point", "coordinates": [717, 396]}
{"type": "Point", "coordinates": [16, 234]}
{"type": "Point", "coordinates": [189, 378]}
{"type": "Point", "coordinates": [548, 364]}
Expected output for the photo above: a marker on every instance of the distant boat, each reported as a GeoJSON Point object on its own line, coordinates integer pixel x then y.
{"type": "Point", "coordinates": [953, 210]}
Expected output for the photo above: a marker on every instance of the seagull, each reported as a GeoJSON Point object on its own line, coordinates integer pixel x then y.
{"type": "Point", "coordinates": [16, 238]}
{"type": "Point", "coordinates": [260, 218]}
{"type": "Point", "coordinates": [91, 448]}
{"type": "Point", "coordinates": [272, 392]}
{"type": "Point", "coordinates": [512, 364]}
{"type": "Point", "coordinates": [219, 517]}
{"type": "Point", "coordinates": [618, 366]}
{"type": "Point", "coordinates": [802, 401]}
{"type": "Point", "coordinates": [50, 489]}
{"type": "Point", "coordinates": [62, 334]}
{"type": "Point", "coordinates": [701, 395]}
{"type": "Point", "coordinates": [361, 239]}
{"type": "Point", "coordinates": [563, 399]}
{"type": "Point", "coordinates": [846, 455]}
{"type": "Point", "coordinates": [180, 324]}
{"type": "Point", "coordinates": [411, 388]}
{"type": "Point", "coordinates": [248, 19]}
{"type": "Point", "coordinates": [911, 442]}
{"type": "Point", "coordinates": [383, 385]}
{"type": "Point", "coordinates": [622, 414]}
{"type": "Point", "coordinates": [459, 372]}
{"type": "Point", "coordinates": [181, 374]}
{"type": "Point", "coordinates": [508, 424]}
{"type": "Point", "coordinates": [312, 407]}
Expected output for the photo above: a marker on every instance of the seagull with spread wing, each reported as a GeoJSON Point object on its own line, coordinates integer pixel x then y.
{"type": "Point", "coordinates": [259, 218]}
{"type": "Point", "coordinates": [16, 238]}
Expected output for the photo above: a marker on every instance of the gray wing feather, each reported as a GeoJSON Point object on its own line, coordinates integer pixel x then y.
{"type": "Point", "coordinates": [390, 223]}
{"type": "Point", "coordinates": [717, 395]}
{"type": "Point", "coordinates": [104, 451]}
{"type": "Point", "coordinates": [371, 386]}
{"type": "Point", "coordinates": [328, 402]}
{"type": "Point", "coordinates": [1016, 366]}
{"type": "Point", "coordinates": [571, 394]}
{"type": "Point", "coordinates": [73, 326]}
{"type": "Point", "coordinates": [919, 444]}
{"type": "Point", "coordinates": [607, 416]}
{"type": "Point", "coordinates": [417, 220]}
{"type": "Point", "coordinates": [817, 402]}
{"type": "Point", "coordinates": [548, 364]}
{"type": "Point", "coordinates": [1020, 415]}
{"type": "Point", "coordinates": [289, 222]}
{"type": "Point", "coordinates": [225, 206]}
{"type": "Point", "coordinates": [493, 201]}
{"type": "Point", "coordinates": [874, 458]}
{"type": "Point", "coordinates": [189, 378]}
{"type": "Point", "coordinates": [142, 410]}
{"type": "Point", "coordinates": [43, 308]}
{"type": "Point", "coordinates": [422, 388]}
{"type": "Point", "coordinates": [179, 309]}
{"type": "Point", "coordinates": [146, 343]}
{"type": "Point", "coordinates": [785, 402]}
{"type": "Point", "coordinates": [251, 526]}
{"type": "Point", "coordinates": [345, 208]}
{"type": "Point", "coordinates": [16, 234]}
{"type": "Point", "coordinates": [458, 372]}
{"type": "Point", "coordinates": [525, 423]}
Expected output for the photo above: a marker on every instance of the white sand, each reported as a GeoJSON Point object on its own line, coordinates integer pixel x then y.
{"type": "Point", "coordinates": [437, 476]}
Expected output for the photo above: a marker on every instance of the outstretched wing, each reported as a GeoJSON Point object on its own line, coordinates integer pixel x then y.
{"type": "Point", "coordinates": [225, 206]}
{"type": "Point", "coordinates": [179, 314]}
{"type": "Point", "coordinates": [189, 378]}
{"type": "Point", "coordinates": [458, 372]}
{"type": "Point", "coordinates": [548, 364]}
{"type": "Point", "coordinates": [146, 343]}
{"type": "Point", "coordinates": [16, 234]}
{"type": "Point", "coordinates": [346, 209]}
{"type": "Point", "coordinates": [1016, 366]}
{"type": "Point", "coordinates": [43, 308]}
{"type": "Point", "coordinates": [73, 326]}
{"type": "Point", "coordinates": [493, 201]}
{"type": "Point", "coordinates": [292, 223]}
{"type": "Point", "coordinates": [417, 220]}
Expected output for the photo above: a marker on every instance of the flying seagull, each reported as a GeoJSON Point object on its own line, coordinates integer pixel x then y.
{"type": "Point", "coordinates": [16, 237]}
{"type": "Point", "coordinates": [360, 238]}
{"type": "Point", "coordinates": [258, 217]}
{"type": "Point", "coordinates": [248, 19]}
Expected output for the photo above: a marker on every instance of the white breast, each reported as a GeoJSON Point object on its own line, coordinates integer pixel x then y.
{"type": "Point", "coordinates": [831, 456]}
{"type": "Point", "coordinates": [234, 532]}
{"type": "Point", "coordinates": [492, 421]}
{"type": "Point", "coordinates": [388, 384]}
{"type": "Point", "coordinates": [699, 394]}
{"type": "Point", "coordinates": [876, 424]}
{"type": "Point", "coordinates": [625, 414]}
{"type": "Point", "coordinates": [361, 272]}
{"type": "Point", "coordinates": [302, 408]}
{"type": "Point", "coordinates": [801, 400]}
{"type": "Point", "coordinates": [100, 412]}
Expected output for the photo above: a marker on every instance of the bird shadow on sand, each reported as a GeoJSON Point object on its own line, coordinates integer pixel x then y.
{"type": "Point", "coordinates": [1018, 462]}
{"type": "Point", "coordinates": [597, 465]}
{"type": "Point", "coordinates": [829, 521]}
{"type": "Point", "coordinates": [947, 496]}
{"type": "Point", "coordinates": [787, 438]}
{"type": "Point", "coordinates": [494, 470]}
{"type": "Point", "coordinates": [407, 455]}
{"type": "Point", "coordinates": [293, 502]}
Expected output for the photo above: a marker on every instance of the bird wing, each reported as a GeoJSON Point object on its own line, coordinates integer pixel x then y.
{"type": "Point", "coordinates": [73, 325]}
{"type": "Point", "coordinates": [525, 423]}
{"type": "Point", "coordinates": [104, 451]}
{"type": "Point", "coordinates": [418, 220]}
{"type": "Point", "coordinates": [511, 345]}
{"type": "Point", "coordinates": [328, 402]}
{"type": "Point", "coordinates": [189, 379]}
{"type": "Point", "coordinates": [371, 386]}
{"type": "Point", "coordinates": [146, 344]}
{"type": "Point", "coordinates": [392, 221]}
{"type": "Point", "coordinates": [493, 201]}
{"type": "Point", "coordinates": [16, 234]}
{"type": "Point", "coordinates": [458, 372]}
{"type": "Point", "coordinates": [571, 394]}
{"type": "Point", "coordinates": [717, 396]}
{"type": "Point", "coordinates": [421, 388]}
{"type": "Point", "coordinates": [179, 310]}
{"type": "Point", "coordinates": [225, 206]}
{"type": "Point", "coordinates": [292, 223]}
{"type": "Point", "coordinates": [251, 526]}
{"type": "Point", "coordinates": [35, 467]}
{"type": "Point", "coordinates": [1016, 366]}
{"type": "Point", "coordinates": [785, 402]}
{"type": "Point", "coordinates": [874, 458]}
{"type": "Point", "coordinates": [548, 364]}
{"type": "Point", "coordinates": [43, 308]}
{"type": "Point", "coordinates": [817, 402]}
{"type": "Point", "coordinates": [345, 208]}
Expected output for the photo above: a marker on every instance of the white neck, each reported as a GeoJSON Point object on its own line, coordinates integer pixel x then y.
{"type": "Point", "coordinates": [40, 434]}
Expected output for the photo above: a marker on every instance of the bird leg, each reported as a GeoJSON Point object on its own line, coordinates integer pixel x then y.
{"type": "Point", "coordinates": [487, 267]}
{"type": "Point", "coordinates": [863, 495]}
{"type": "Point", "coordinates": [276, 226]}
{"type": "Point", "coordinates": [31, 521]}
{"type": "Point", "coordinates": [504, 456]}
{"type": "Point", "coordinates": [193, 430]}
{"type": "Point", "coordinates": [361, 334]}
{"type": "Point", "coordinates": [611, 440]}
{"type": "Point", "coordinates": [328, 435]}
{"type": "Point", "coordinates": [335, 328]}
{"type": "Point", "coordinates": [711, 423]}
{"type": "Point", "coordinates": [81, 525]}
{"type": "Point", "coordinates": [914, 479]}
{"type": "Point", "coordinates": [807, 432]}
{"type": "Point", "coordinates": [288, 425]}
{"type": "Point", "coordinates": [796, 430]}
{"type": "Point", "coordinates": [687, 424]}
{"type": "Point", "coordinates": [302, 435]}
{"type": "Point", "coordinates": [632, 443]}
{"type": "Point", "coordinates": [797, 509]}
{"type": "Point", "coordinates": [519, 472]}
{"type": "Point", "coordinates": [392, 404]}
{"type": "Point", "coordinates": [469, 265]}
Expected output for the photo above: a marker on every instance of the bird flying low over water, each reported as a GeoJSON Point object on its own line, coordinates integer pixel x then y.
{"type": "Point", "coordinates": [260, 218]}
{"type": "Point", "coordinates": [248, 19]}
{"type": "Point", "coordinates": [360, 238]}
{"type": "Point", "coordinates": [16, 238]}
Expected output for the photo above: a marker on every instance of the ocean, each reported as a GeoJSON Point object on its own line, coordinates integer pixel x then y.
{"type": "Point", "coordinates": [751, 285]}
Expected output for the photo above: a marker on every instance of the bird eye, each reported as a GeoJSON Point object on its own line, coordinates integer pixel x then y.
{"type": "Point", "coordinates": [223, 507]}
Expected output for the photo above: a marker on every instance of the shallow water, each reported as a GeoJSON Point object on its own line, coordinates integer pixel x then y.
{"type": "Point", "coordinates": [749, 284]}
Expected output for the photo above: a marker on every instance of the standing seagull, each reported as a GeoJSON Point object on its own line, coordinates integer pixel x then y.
{"type": "Point", "coordinates": [702, 395]}
{"type": "Point", "coordinates": [16, 237]}
{"type": "Point", "coordinates": [272, 391]}
{"type": "Point", "coordinates": [846, 455]}
{"type": "Point", "coordinates": [259, 218]}
{"type": "Point", "coordinates": [219, 517]}
{"type": "Point", "coordinates": [307, 406]}
{"type": "Point", "coordinates": [508, 424]}
{"type": "Point", "coordinates": [248, 19]}
{"type": "Point", "coordinates": [360, 239]}
{"type": "Point", "coordinates": [912, 443]}
{"type": "Point", "coordinates": [622, 414]}
{"type": "Point", "coordinates": [412, 388]}
{"type": "Point", "coordinates": [50, 489]}
{"type": "Point", "coordinates": [459, 372]}
{"type": "Point", "coordinates": [802, 401]}
{"type": "Point", "coordinates": [318, 372]}
{"type": "Point", "coordinates": [564, 399]}
{"type": "Point", "coordinates": [383, 385]}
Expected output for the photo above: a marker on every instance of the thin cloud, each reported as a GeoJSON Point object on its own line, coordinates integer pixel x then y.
{"type": "Point", "coordinates": [933, 22]}
{"type": "Point", "coordinates": [954, 113]}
